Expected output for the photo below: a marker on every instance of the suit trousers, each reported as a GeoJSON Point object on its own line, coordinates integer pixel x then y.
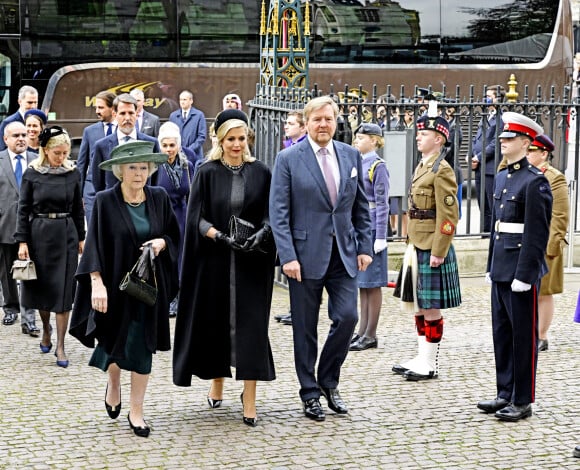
{"type": "Point", "coordinates": [8, 253]}
{"type": "Point", "coordinates": [305, 300]}
{"type": "Point", "coordinates": [515, 335]}
{"type": "Point", "coordinates": [88, 199]}
{"type": "Point", "coordinates": [488, 199]}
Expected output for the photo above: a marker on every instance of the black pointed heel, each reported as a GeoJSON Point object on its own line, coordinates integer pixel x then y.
{"type": "Point", "coordinates": [141, 431]}
{"type": "Point", "coordinates": [112, 411]}
{"type": "Point", "coordinates": [253, 422]}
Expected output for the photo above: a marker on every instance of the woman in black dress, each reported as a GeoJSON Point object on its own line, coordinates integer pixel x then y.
{"type": "Point", "coordinates": [51, 232]}
{"type": "Point", "coordinates": [226, 289]}
{"type": "Point", "coordinates": [125, 218]}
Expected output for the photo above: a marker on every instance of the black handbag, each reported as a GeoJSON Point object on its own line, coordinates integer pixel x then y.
{"type": "Point", "coordinates": [23, 270]}
{"type": "Point", "coordinates": [241, 230]}
{"type": "Point", "coordinates": [141, 282]}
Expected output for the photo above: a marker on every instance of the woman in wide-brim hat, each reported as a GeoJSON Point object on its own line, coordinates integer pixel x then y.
{"type": "Point", "coordinates": [125, 218]}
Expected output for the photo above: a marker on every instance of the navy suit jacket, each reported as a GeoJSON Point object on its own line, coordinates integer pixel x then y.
{"type": "Point", "coordinates": [193, 130]}
{"type": "Point", "coordinates": [91, 134]}
{"type": "Point", "coordinates": [487, 156]}
{"type": "Point", "coordinates": [105, 179]}
{"type": "Point", "coordinates": [150, 124]}
{"type": "Point", "coordinates": [13, 117]}
{"type": "Point", "coordinates": [303, 220]}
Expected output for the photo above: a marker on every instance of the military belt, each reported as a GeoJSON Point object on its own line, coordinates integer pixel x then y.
{"type": "Point", "coordinates": [508, 227]}
{"type": "Point", "coordinates": [422, 214]}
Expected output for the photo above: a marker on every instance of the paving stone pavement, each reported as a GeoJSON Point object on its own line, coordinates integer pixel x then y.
{"type": "Point", "coordinates": [54, 418]}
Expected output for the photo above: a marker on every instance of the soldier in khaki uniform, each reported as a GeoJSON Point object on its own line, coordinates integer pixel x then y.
{"type": "Point", "coordinates": [540, 155]}
{"type": "Point", "coordinates": [429, 279]}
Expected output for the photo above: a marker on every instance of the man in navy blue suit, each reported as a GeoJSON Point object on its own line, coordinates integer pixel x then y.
{"type": "Point", "coordinates": [321, 223]}
{"type": "Point", "coordinates": [27, 99]}
{"type": "Point", "coordinates": [483, 158]}
{"type": "Point", "coordinates": [125, 113]}
{"type": "Point", "coordinates": [91, 134]}
{"type": "Point", "coordinates": [191, 122]}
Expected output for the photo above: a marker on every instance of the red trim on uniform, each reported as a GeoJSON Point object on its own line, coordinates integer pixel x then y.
{"type": "Point", "coordinates": [534, 342]}
{"type": "Point", "coordinates": [521, 129]}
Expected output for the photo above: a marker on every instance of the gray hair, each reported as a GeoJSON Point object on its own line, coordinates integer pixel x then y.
{"type": "Point", "coordinates": [26, 89]}
{"type": "Point", "coordinates": [169, 130]}
{"type": "Point", "coordinates": [116, 169]}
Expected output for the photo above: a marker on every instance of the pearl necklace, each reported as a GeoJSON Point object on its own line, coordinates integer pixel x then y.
{"type": "Point", "coordinates": [232, 167]}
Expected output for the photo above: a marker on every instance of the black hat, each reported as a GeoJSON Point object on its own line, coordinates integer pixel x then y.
{"type": "Point", "coordinates": [437, 124]}
{"type": "Point", "coordinates": [228, 114]}
{"type": "Point", "coordinates": [48, 133]}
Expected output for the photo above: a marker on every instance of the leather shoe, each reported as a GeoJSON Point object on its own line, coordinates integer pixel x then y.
{"type": "Point", "coordinates": [9, 318]}
{"type": "Point", "coordinates": [112, 411]}
{"type": "Point", "coordinates": [141, 431]}
{"type": "Point", "coordinates": [354, 338]}
{"type": "Point", "coordinates": [576, 451]}
{"type": "Point", "coordinates": [313, 410]}
{"type": "Point", "coordinates": [364, 342]}
{"type": "Point", "coordinates": [491, 406]}
{"type": "Point", "coordinates": [31, 330]}
{"type": "Point", "coordinates": [399, 369]}
{"type": "Point", "coordinates": [286, 319]}
{"type": "Point", "coordinates": [514, 412]}
{"type": "Point", "coordinates": [335, 402]}
{"type": "Point", "coordinates": [543, 345]}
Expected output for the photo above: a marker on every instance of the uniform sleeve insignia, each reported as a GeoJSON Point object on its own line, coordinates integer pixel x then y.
{"type": "Point", "coordinates": [544, 187]}
{"type": "Point", "coordinates": [449, 200]}
{"type": "Point", "coordinates": [447, 227]}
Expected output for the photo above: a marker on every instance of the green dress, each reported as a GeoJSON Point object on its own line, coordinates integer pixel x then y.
{"type": "Point", "coordinates": [137, 357]}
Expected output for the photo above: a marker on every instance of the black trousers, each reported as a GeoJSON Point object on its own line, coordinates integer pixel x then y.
{"type": "Point", "coordinates": [515, 337]}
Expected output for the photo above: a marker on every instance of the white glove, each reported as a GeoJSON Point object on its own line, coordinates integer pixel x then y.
{"type": "Point", "coordinates": [488, 278]}
{"type": "Point", "coordinates": [519, 286]}
{"type": "Point", "coordinates": [380, 245]}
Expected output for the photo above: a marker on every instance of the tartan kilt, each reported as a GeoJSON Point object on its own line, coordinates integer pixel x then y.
{"type": "Point", "coordinates": [438, 287]}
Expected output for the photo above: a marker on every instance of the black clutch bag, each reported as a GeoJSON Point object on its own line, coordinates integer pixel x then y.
{"type": "Point", "coordinates": [141, 282]}
{"type": "Point", "coordinates": [241, 230]}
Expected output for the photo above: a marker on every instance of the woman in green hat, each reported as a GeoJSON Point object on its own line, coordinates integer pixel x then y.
{"type": "Point", "coordinates": [125, 218]}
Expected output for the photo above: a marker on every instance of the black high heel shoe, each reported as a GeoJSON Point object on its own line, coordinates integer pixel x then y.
{"type": "Point", "coordinates": [214, 403]}
{"type": "Point", "coordinates": [253, 422]}
{"type": "Point", "coordinates": [141, 431]}
{"type": "Point", "coordinates": [112, 411]}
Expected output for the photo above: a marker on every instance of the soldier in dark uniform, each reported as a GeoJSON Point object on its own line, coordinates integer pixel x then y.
{"type": "Point", "coordinates": [519, 235]}
{"type": "Point", "coordinates": [430, 265]}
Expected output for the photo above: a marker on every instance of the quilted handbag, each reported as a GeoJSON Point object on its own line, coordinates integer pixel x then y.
{"type": "Point", "coordinates": [241, 230]}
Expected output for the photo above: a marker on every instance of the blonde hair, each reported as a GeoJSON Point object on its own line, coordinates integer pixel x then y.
{"type": "Point", "coordinates": [217, 152]}
{"type": "Point", "coordinates": [316, 103]}
{"type": "Point", "coordinates": [60, 139]}
{"type": "Point", "coordinates": [378, 141]}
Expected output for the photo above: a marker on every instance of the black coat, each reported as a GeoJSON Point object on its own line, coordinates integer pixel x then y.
{"type": "Point", "coordinates": [112, 248]}
{"type": "Point", "coordinates": [53, 244]}
{"type": "Point", "coordinates": [202, 345]}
